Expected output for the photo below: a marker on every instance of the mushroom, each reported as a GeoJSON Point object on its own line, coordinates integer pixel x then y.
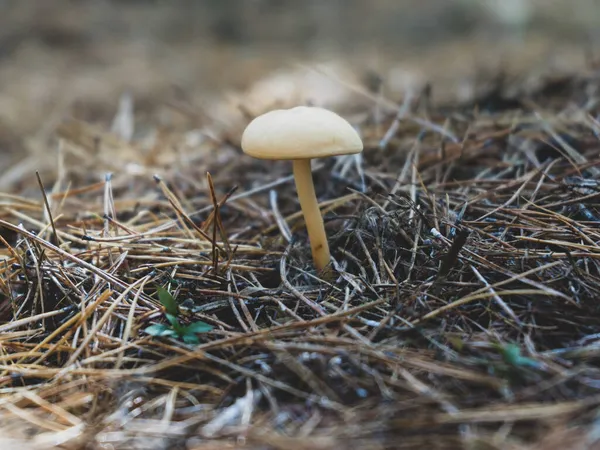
{"type": "Point", "coordinates": [301, 134]}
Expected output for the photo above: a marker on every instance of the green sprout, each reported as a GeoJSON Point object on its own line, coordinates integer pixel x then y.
{"type": "Point", "coordinates": [188, 333]}
{"type": "Point", "coordinates": [511, 353]}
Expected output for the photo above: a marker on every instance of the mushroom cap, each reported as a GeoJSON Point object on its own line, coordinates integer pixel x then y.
{"type": "Point", "coordinates": [303, 132]}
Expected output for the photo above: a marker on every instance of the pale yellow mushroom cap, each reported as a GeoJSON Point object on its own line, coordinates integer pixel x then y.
{"type": "Point", "coordinates": [302, 132]}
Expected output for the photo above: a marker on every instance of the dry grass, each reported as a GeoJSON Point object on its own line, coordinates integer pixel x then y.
{"type": "Point", "coordinates": [463, 313]}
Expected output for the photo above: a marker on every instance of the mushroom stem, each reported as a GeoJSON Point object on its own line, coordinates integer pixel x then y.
{"type": "Point", "coordinates": [312, 213]}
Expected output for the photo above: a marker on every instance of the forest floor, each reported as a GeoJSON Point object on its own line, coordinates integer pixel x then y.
{"type": "Point", "coordinates": [157, 288]}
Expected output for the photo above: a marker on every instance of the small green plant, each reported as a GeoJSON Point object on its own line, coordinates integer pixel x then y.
{"type": "Point", "coordinates": [511, 353]}
{"type": "Point", "coordinates": [187, 333]}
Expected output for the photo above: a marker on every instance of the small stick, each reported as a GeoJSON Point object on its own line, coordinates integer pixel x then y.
{"type": "Point", "coordinates": [55, 239]}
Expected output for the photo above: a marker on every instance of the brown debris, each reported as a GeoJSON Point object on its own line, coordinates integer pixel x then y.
{"type": "Point", "coordinates": [464, 311]}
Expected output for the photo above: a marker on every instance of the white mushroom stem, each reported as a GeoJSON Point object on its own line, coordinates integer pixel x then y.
{"type": "Point", "coordinates": [312, 213]}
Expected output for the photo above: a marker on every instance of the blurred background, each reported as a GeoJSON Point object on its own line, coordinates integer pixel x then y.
{"type": "Point", "coordinates": [76, 58]}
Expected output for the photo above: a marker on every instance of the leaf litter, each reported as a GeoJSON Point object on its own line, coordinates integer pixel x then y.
{"type": "Point", "coordinates": [173, 302]}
